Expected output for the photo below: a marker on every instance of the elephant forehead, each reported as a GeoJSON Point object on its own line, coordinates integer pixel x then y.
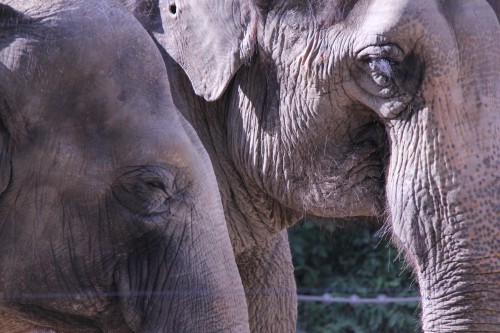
{"type": "Point", "coordinates": [100, 121]}
{"type": "Point", "coordinates": [98, 91]}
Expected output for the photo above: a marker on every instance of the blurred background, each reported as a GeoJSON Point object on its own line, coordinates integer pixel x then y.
{"type": "Point", "coordinates": [351, 280]}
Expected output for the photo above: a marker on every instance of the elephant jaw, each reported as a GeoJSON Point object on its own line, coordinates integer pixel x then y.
{"type": "Point", "coordinates": [326, 169]}
{"type": "Point", "coordinates": [334, 188]}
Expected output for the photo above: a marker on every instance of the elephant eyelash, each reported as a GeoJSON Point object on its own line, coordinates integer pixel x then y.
{"type": "Point", "coordinates": [383, 66]}
{"type": "Point", "coordinates": [383, 71]}
{"type": "Point", "coordinates": [381, 62]}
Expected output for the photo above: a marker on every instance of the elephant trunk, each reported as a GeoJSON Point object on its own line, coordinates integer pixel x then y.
{"type": "Point", "coordinates": [443, 189]}
{"type": "Point", "coordinates": [187, 283]}
{"type": "Point", "coordinates": [181, 274]}
{"type": "Point", "coordinates": [445, 219]}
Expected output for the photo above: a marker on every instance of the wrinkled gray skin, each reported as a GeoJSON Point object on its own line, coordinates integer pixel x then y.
{"type": "Point", "coordinates": [340, 108]}
{"type": "Point", "coordinates": [110, 215]}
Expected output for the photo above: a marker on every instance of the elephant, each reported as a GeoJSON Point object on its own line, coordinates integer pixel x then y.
{"type": "Point", "coordinates": [340, 108]}
{"type": "Point", "coordinates": [110, 214]}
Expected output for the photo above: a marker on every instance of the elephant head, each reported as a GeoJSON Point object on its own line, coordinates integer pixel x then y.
{"type": "Point", "coordinates": [111, 219]}
{"type": "Point", "coordinates": [341, 108]}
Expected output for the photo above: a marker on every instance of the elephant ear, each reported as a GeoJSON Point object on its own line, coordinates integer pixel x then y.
{"type": "Point", "coordinates": [12, 97]}
{"type": "Point", "coordinates": [12, 125]}
{"type": "Point", "coordinates": [209, 39]}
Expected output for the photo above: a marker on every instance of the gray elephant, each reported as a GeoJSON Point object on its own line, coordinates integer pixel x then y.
{"type": "Point", "coordinates": [110, 215]}
{"type": "Point", "coordinates": [341, 108]}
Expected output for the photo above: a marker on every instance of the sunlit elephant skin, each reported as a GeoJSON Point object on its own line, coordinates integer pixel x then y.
{"type": "Point", "coordinates": [342, 108]}
{"type": "Point", "coordinates": [110, 215]}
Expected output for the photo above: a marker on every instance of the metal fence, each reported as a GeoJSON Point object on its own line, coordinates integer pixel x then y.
{"type": "Point", "coordinates": [355, 299]}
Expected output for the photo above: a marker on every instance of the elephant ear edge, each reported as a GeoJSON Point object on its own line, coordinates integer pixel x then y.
{"type": "Point", "coordinates": [5, 160]}
{"type": "Point", "coordinates": [12, 126]}
{"type": "Point", "coordinates": [209, 40]}
{"type": "Point", "coordinates": [11, 18]}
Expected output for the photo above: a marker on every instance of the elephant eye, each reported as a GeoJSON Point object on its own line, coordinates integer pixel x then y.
{"type": "Point", "coordinates": [145, 190]}
{"type": "Point", "coordinates": [384, 78]}
{"type": "Point", "coordinates": [381, 66]}
{"type": "Point", "coordinates": [382, 71]}
{"type": "Point", "coordinates": [156, 184]}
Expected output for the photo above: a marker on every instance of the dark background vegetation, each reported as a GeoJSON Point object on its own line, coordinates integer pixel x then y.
{"type": "Point", "coordinates": [351, 258]}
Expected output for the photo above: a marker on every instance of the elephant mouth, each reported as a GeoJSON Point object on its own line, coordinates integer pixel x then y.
{"type": "Point", "coordinates": [354, 184]}
{"type": "Point", "coordinates": [368, 171]}
{"type": "Point", "coordinates": [371, 149]}
{"type": "Point", "coordinates": [364, 158]}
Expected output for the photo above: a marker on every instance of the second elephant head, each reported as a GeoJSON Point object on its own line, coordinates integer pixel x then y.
{"type": "Point", "coordinates": [340, 107]}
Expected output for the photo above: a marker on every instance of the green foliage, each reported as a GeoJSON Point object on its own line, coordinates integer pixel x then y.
{"type": "Point", "coordinates": [346, 262]}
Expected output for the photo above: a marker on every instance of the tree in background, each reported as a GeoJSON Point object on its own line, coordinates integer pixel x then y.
{"type": "Point", "coordinates": [346, 261]}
